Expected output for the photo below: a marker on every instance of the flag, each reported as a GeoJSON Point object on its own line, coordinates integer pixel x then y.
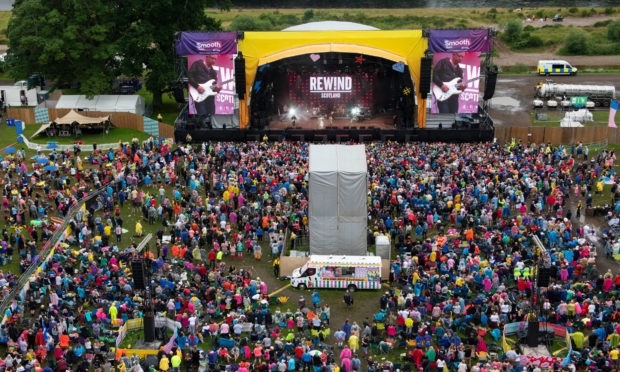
{"type": "Point", "coordinates": [612, 113]}
{"type": "Point", "coordinates": [170, 344]}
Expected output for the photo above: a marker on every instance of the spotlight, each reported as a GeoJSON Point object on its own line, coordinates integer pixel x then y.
{"type": "Point", "coordinates": [292, 111]}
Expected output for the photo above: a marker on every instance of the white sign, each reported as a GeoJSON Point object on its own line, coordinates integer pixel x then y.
{"type": "Point", "coordinates": [331, 86]}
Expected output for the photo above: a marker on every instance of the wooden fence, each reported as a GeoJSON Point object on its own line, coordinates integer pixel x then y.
{"type": "Point", "coordinates": [553, 135]}
{"type": "Point", "coordinates": [166, 130]}
{"type": "Point", "coordinates": [558, 135]}
{"type": "Point", "coordinates": [118, 119]}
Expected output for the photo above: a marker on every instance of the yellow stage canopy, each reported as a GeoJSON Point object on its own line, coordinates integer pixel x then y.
{"type": "Point", "coordinates": [260, 48]}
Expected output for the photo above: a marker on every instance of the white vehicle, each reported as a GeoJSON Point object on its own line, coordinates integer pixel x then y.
{"type": "Point", "coordinates": [556, 67]}
{"type": "Point", "coordinates": [344, 272]}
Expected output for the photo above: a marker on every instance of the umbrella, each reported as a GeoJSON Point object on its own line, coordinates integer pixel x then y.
{"type": "Point", "coordinates": [52, 146]}
{"type": "Point", "coordinates": [42, 161]}
{"type": "Point", "coordinates": [50, 167]}
{"type": "Point", "coordinates": [10, 150]}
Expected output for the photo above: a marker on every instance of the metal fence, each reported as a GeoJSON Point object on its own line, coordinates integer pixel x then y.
{"type": "Point", "coordinates": [51, 243]}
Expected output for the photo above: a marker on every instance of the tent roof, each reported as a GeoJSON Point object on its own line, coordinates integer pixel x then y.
{"type": "Point", "coordinates": [67, 101]}
{"type": "Point", "coordinates": [73, 116]}
{"type": "Point", "coordinates": [331, 26]}
{"type": "Point", "coordinates": [337, 158]}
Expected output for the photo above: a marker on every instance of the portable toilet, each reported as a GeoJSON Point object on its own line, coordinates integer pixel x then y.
{"type": "Point", "coordinates": [383, 246]}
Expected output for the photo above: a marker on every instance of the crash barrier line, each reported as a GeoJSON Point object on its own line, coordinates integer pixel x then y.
{"type": "Point", "coordinates": [46, 254]}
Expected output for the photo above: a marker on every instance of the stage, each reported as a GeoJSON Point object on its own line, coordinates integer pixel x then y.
{"type": "Point", "coordinates": [337, 135]}
{"type": "Point", "coordinates": [323, 122]}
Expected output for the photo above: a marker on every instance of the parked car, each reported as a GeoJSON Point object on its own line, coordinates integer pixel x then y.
{"type": "Point", "coordinates": [557, 18]}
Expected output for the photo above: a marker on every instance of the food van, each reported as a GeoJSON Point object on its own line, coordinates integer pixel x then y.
{"type": "Point", "coordinates": [344, 272]}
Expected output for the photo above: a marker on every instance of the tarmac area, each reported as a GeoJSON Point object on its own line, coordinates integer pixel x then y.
{"type": "Point", "coordinates": [512, 101]}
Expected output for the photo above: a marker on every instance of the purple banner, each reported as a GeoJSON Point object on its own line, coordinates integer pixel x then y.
{"type": "Point", "coordinates": [201, 43]}
{"type": "Point", "coordinates": [455, 83]}
{"type": "Point", "coordinates": [451, 41]}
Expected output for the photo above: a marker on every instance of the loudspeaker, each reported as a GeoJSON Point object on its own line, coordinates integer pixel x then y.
{"type": "Point", "coordinates": [179, 96]}
{"type": "Point", "coordinates": [240, 75]}
{"type": "Point", "coordinates": [149, 328]}
{"type": "Point", "coordinates": [137, 271]}
{"type": "Point", "coordinates": [544, 276]}
{"type": "Point", "coordinates": [426, 64]}
{"type": "Point", "coordinates": [533, 331]}
{"type": "Point", "coordinates": [490, 81]}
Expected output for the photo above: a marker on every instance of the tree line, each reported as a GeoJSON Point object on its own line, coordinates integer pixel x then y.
{"type": "Point", "coordinates": [96, 41]}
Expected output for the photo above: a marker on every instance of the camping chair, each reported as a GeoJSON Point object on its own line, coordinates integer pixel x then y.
{"type": "Point", "coordinates": [375, 347]}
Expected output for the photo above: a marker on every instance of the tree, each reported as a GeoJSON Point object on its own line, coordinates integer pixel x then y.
{"type": "Point", "coordinates": [513, 31]}
{"type": "Point", "coordinates": [65, 41]}
{"type": "Point", "coordinates": [94, 41]}
{"type": "Point", "coordinates": [308, 15]}
{"type": "Point", "coordinates": [576, 42]}
{"type": "Point", "coordinates": [613, 31]}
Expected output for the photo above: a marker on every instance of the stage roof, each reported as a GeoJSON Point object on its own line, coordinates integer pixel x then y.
{"type": "Point", "coordinates": [261, 48]}
{"type": "Point", "coordinates": [331, 26]}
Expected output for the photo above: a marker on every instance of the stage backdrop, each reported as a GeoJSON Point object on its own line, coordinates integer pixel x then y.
{"type": "Point", "coordinates": [330, 89]}
{"type": "Point", "coordinates": [222, 46]}
{"type": "Point", "coordinates": [462, 94]}
{"type": "Point", "coordinates": [261, 48]}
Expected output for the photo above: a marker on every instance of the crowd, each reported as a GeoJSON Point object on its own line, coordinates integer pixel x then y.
{"type": "Point", "coordinates": [461, 218]}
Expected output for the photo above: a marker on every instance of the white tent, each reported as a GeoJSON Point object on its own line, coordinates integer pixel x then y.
{"type": "Point", "coordinates": [104, 103]}
{"type": "Point", "coordinates": [337, 197]}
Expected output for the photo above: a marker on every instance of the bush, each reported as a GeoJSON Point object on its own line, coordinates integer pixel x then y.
{"type": "Point", "coordinates": [519, 68]}
{"type": "Point", "coordinates": [540, 14]}
{"type": "Point", "coordinates": [613, 30]}
{"type": "Point", "coordinates": [529, 28]}
{"type": "Point", "coordinates": [248, 23]}
{"type": "Point", "coordinates": [535, 41]}
{"type": "Point", "coordinates": [576, 42]}
{"type": "Point", "coordinates": [270, 18]}
{"type": "Point", "coordinates": [602, 23]}
{"type": "Point", "coordinates": [609, 11]}
{"type": "Point", "coordinates": [573, 10]}
{"type": "Point", "coordinates": [513, 31]}
{"type": "Point", "coordinates": [308, 15]}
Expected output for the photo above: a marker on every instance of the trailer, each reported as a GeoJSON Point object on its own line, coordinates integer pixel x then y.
{"type": "Point", "coordinates": [601, 95]}
{"type": "Point", "coordinates": [343, 272]}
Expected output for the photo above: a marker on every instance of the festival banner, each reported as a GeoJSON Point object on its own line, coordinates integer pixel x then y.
{"type": "Point", "coordinates": [207, 43]}
{"type": "Point", "coordinates": [450, 41]}
{"type": "Point", "coordinates": [455, 83]}
{"type": "Point", "coordinates": [215, 75]}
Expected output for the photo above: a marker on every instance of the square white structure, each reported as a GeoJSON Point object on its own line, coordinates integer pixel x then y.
{"type": "Point", "coordinates": [338, 199]}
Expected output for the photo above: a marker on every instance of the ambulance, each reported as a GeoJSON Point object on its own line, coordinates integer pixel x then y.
{"type": "Point", "coordinates": [556, 67]}
{"type": "Point", "coordinates": [340, 272]}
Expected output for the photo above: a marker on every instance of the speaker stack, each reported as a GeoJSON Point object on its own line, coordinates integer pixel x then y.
{"type": "Point", "coordinates": [490, 81]}
{"type": "Point", "coordinates": [240, 75]}
{"type": "Point", "coordinates": [426, 64]}
{"type": "Point", "coordinates": [137, 271]}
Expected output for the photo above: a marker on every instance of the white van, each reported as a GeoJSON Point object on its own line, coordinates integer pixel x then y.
{"type": "Point", "coordinates": [344, 272]}
{"type": "Point", "coordinates": [556, 67]}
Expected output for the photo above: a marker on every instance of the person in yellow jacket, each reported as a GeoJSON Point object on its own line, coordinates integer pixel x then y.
{"type": "Point", "coordinates": [164, 363]}
{"type": "Point", "coordinates": [175, 361]}
{"type": "Point", "coordinates": [138, 229]}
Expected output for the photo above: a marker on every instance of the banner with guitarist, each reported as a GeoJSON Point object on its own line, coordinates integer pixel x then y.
{"type": "Point", "coordinates": [455, 83]}
{"type": "Point", "coordinates": [211, 81]}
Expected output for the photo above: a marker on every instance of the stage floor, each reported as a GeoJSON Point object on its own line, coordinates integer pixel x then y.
{"type": "Point", "coordinates": [318, 123]}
